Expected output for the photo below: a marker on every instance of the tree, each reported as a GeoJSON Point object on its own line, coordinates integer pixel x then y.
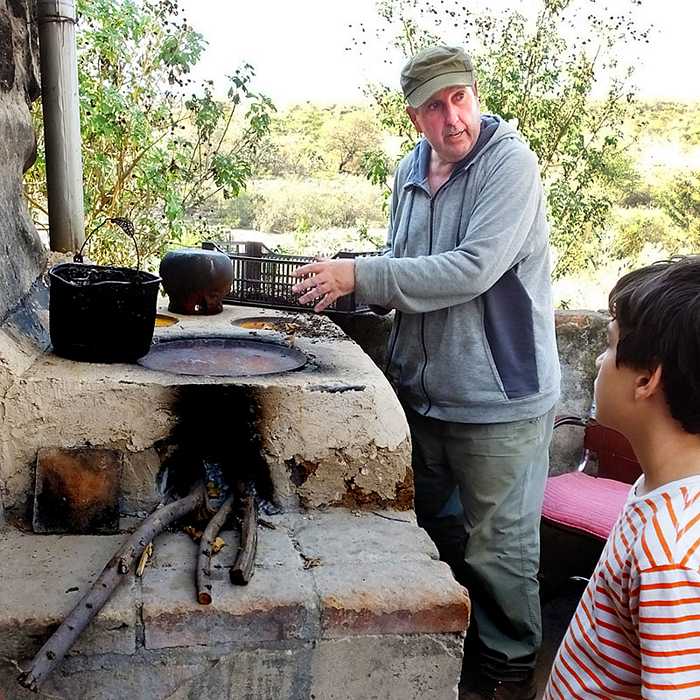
{"type": "Point", "coordinates": [149, 152]}
{"type": "Point", "coordinates": [681, 201]}
{"type": "Point", "coordinates": [669, 226]}
{"type": "Point", "coordinates": [540, 75]}
{"type": "Point", "coordinates": [347, 135]}
{"type": "Point", "coordinates": [309, 140]}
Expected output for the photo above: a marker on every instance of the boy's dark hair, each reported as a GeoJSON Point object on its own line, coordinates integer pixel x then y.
{"type": "Point", "coordinates": [657, 309]}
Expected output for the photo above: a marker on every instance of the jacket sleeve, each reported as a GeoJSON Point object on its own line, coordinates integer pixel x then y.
{"type": "Point", "coordinates": [498, 227]}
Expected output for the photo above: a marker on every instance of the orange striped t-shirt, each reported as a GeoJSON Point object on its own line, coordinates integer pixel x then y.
{"type": "Point", "coordinates": [636, 631]}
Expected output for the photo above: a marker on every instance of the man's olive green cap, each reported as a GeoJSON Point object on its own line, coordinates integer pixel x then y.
{"type": "Point", "coordinates": [433, 69]}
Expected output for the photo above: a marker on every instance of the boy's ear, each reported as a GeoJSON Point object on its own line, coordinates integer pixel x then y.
{"type": "Point", "coordinates": [648, 384]}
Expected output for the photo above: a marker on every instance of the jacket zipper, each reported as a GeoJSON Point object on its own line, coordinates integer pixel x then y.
{"type": "Point", "coordinates": [422, 320]}
{"type": "Point", "coordinates": [397, 316]}
{"type": "Point", "coordinates": [430, 252]}
{"type": "Point", "coordinates": [398, 322]}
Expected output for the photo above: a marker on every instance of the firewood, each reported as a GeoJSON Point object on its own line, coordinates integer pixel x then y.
{"type": "Point", "coordinates": [58, 644]}
{"type": "Point", "coordinates": [207, 549]}
{"type": "Point", "coordinates": [243, 568]}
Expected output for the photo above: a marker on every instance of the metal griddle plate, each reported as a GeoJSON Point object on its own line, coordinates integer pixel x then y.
{"type": "Point", "coordinates": [222, 357]}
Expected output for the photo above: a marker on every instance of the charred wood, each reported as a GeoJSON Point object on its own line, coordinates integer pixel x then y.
{"type": "Point", "coordinates": [243, 568]}
{"type": "Point", "coordinates": [206, 551]}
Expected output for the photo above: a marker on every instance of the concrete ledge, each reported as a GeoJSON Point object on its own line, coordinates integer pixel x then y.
{"type": "Point", "coordinates": [410, 667]}
{"type": "Point", "coordinates": [342, 537]}
{"type": "Point", "coordinates": [390, 598]}
{"type": "Point", "coordinates": [279, 602]}
{"type": "Point", "coordinates": [43, 577]}
{"type": "Point", "coordinates": [379, 574]}
{"type": "Point", "coordinates": [415, 667]}
{"type": "Point", "coordinates": [333, 592]}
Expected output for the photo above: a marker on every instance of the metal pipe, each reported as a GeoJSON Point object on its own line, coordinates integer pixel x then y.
{"type": "Point", "coordinates": [59, 93]}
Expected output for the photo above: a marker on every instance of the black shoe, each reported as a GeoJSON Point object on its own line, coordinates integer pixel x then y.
{"type": "Point", "coordinates": [492, 689]}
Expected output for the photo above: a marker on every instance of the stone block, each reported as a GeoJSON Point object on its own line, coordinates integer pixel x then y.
{"type": "Point", "coordinates": [44, 577]}
{"type": "Point", "coordinates": [280, 672]}
{"type": "Point", "coordinates": [109, 677]}
{"type": "Point", "coordinates": [581, 337]}
{"type": "Point", "coordinates": [341, 536]}
{"type": "Point", "coordinates": [277, 604]}
{"type": "Point", "coordinates": [254, 674]}
{"type": "Point", "coordinates": [391, 597]}
{"type": "Point", "coordinates": [387, 668]}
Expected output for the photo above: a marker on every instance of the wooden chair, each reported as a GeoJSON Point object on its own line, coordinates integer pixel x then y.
{"type": "Point", "coordinates": [580, 508]}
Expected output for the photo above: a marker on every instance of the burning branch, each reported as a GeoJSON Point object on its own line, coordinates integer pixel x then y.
{"type": "Point", "coordinates": [243, 568]}
{"type": "Point", "coordinates": [206, 550]}
{"type": "Point", "coordinates": [58, 644]}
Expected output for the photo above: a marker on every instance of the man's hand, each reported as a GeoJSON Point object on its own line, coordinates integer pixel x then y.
{"type": "Point", "coordinates": [325, 280]}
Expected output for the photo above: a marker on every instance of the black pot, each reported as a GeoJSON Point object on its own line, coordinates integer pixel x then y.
{"type": "Point", "coordinates": [196, 281]}
{"type": "Point", "coordinates": [101, 313]}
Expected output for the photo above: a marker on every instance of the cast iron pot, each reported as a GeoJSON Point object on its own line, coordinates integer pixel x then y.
{"type": "Point", "coordinates": [100, 313]}
{"type": "Point", "coordinates": [196, 281]}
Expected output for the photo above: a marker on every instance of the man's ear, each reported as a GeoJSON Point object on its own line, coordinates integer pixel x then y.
{"type": "Point", "coordinates": [475, 89]}
{"type": "Point", "coordinates": [412, 116]}
{"type": "Point", "coordinates": [648, 383]}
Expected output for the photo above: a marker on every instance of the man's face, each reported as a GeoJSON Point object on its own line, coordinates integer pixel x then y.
{"type": "Point", "coordinates": [450, 121]}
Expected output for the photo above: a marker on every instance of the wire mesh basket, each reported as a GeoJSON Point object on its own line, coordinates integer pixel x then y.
{"type": "Point", "coordinates": [262, 277]}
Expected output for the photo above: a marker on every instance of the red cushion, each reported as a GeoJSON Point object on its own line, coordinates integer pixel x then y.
{"type": "Point", "coordinates": [584, 502]}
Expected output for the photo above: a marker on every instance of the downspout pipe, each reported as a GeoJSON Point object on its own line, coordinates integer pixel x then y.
{"type": "Point", "coordinates": [61, 107]}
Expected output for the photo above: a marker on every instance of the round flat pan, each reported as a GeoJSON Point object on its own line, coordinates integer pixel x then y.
{"type": "Point", "coordinates": [222, 357]}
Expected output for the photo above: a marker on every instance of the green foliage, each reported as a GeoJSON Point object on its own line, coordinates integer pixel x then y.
{"type": "Point", "coordinates": [149, 153]}
{"type": "Point", "coordinates": [681, 201]}
{"type": "Point", "coordinates": [665, 120]}
{"type": "Point", "coordinates": [310, 140]}
{"type": "Point", "coordinates": [643, 231]}
{"type": "Point", "coordinates": [670, 226]}
{"type": "Point", "coordinates": [541, 76]}
{"type": "Point", "coordinates": [283, 206]}
{"type": "Point", "coordinates": [326, 243]}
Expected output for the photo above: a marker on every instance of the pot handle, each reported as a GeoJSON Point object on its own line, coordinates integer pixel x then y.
{"type": "Point", "coordinates": [125, 225]}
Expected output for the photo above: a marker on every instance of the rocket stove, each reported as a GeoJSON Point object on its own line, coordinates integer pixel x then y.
{"type": "Point", "coordinates": [348, 598]}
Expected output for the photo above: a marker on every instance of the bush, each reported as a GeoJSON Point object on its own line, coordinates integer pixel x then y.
{"type": "Point", "coordinates": [283, 206]}
{"type": "Point", "coordinates": [641, 233]}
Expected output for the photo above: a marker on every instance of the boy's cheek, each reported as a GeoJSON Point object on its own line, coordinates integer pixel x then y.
{"type": "Point", "coordinates": [598, 390]}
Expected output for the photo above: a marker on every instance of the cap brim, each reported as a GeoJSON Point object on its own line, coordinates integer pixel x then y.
{"type": "Point", "coordinates": [427, 90]}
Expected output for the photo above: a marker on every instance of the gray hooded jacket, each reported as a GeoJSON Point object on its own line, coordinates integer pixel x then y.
{"type": "Point", "coordinates": [468, 272]}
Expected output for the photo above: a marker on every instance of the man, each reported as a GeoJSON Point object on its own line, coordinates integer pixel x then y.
{"type": "Point", "coordinates": [472, 353]}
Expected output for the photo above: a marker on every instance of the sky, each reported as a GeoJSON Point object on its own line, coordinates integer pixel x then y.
{"type": "Point", "coordinates": [298, 47]}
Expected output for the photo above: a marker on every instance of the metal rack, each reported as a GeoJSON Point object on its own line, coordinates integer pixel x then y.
{"type": "Point", "coordinates": [262, 277]}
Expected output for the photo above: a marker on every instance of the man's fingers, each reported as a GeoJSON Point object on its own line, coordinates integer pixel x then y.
{"type": "Point", "coordinates": [302, 286]}
{"type": "Point", "coordinates": [326, 280]}
{"type": "Point", "coordinates": [308, 283]}
{"type": "Point", "coordinates": [309, 296]}
{"type": "Point", "coordinates": [327, 300]}
{"type": "Point", "coordinates": [314, 292]}
{"type": "Point", "coordinates": [309, 269]}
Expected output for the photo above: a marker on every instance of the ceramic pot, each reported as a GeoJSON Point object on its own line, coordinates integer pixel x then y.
{"type": "Point", "coordinates": [196, 281]}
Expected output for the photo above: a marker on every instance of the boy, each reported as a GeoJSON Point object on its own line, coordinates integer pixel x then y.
{"type": "Point", "coordinates": [636, 632]}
